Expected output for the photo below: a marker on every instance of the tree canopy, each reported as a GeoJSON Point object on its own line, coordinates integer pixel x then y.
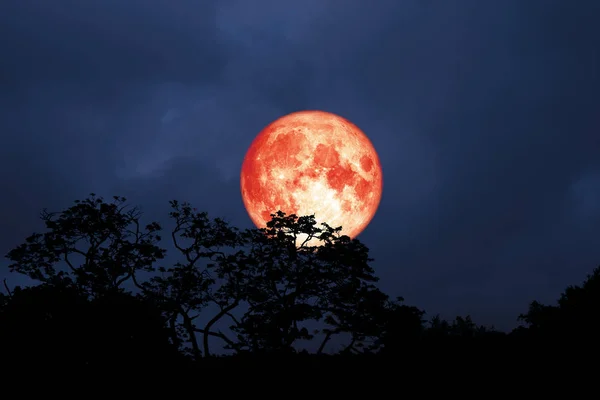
{"type": "Point", "coordinates": [106, 290]}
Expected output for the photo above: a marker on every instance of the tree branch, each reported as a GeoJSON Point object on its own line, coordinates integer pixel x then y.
{"type": "Point", "coordinates": [66, 258]}
{"type": "Point", "coordinates": [216, 334]}
{"type": "Point", "coordinates": [350, 347]}
{"type": "Point", "coordinates": [220, 314]}
{"type": "Point", "coordinates": [123, 279]}
{"type": "Point", "coordinates": [328, 336]}
{"type": "Point", "coordinates": [7, 288]}
{"type": "Point", "coordinates": [190, 328]}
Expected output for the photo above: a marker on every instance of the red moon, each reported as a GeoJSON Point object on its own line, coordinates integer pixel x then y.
{"type": "Point", "coordinates": [313, 162]}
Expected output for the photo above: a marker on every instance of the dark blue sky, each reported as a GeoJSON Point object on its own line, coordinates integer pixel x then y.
{"type": "Point", "coordinates": [485, 114]}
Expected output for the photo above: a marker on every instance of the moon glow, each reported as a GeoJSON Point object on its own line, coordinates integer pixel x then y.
{"type": "Point", "coordinates": [313, 162]}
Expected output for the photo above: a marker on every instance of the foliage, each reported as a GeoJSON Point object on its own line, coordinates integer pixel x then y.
{"type": "Point", "coordinates": [210, 272]}
{"type": "Point", "coordinates": [576, 312]}
{"type": "Point", "coordinates": [265, 282]}
{"type": "Point", "coordinates": [99, 246]}
{"type": "Point", "coordinates": [293, 282]}
{"type": "Point", "coordinates": [106, 291]}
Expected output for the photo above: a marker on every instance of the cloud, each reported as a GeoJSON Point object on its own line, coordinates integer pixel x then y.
{"type": "Point", "coordinates": [109, 41]}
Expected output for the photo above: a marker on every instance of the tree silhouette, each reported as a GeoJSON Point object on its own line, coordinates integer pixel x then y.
{"type": "Point", "coordinates": [401, 326]}
{"type": "Point", "coordinates": [460, 327]}
{"type": "Point", "coordinates": [210, 273]}
{"type": "Point", "coordinates": [95, 245]}
{"type": "Point", "coordinates": [257, 291]}
{"type": "Point", "coordinates": [291, 282]}
{"type": "Point", "coordinates": [265, 282]}
{"type": "Point", "coordinates": [575, 315]}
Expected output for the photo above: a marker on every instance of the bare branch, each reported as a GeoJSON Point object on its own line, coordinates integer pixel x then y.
{"type": "Point", "coordinates": [66, 258]}
{"type": "Point", "coordinates": [214, 319]}
{"type": "Point", "coordinates": [218, 334]}
{"type": "Point", "coordinates": [328, 336]}
{"type": "Point", "coordinates": [7, 288]}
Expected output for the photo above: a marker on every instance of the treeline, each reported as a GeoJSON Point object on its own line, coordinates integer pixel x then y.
{"type": "Point", "coordinates": [105, 295]}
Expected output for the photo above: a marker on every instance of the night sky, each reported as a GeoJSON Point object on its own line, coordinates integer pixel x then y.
{"type": "Point", "coordinates": [485, 115]}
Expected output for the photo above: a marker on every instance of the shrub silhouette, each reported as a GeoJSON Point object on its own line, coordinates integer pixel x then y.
{"type": "Point", "coordinates": [50, 323]}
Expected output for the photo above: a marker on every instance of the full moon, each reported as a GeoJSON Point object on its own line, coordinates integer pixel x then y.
{"type": "Point", "coordinates": [313, 163]}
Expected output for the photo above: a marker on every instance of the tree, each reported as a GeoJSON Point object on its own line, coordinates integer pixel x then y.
{"type": "Point", "coordinates": [268, 283]}
{"type": "Point", "coordinates": [94, 245]}
{"type": "Point", "coordinates": [576, 312]}
{"type": "Point", "coordinates": [267, 286]}
{"type": "Point", "coordinates": [190, 286]}
{"type": "Point", "coordinates": [401, 326]}
{"type": "Point", "coordinates": [292, 284]}
{"type": "Point", "coordinates": [362, 315]}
